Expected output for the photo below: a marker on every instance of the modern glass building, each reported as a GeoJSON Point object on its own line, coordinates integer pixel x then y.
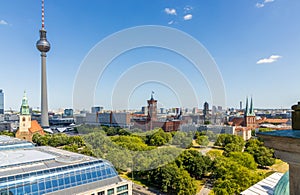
{"type": "Point", "coordinates": [10, 143]}
{"type": "Point", "coordinates": [1, 102]}
{"type": "Point", "coordinates": [51, 171]}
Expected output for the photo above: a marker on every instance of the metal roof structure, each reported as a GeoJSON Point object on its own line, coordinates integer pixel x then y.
{"type": "Point", "coordinates": [48, 170]}
{"type": "Point", "coordinates": [9, 143]}
{"type": "Point", "coordinates": [265, 186]}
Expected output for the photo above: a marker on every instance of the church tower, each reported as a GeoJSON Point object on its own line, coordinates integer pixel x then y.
{"type": "Point", "coordinates": [249, 115]}
{"type": "Point", "coordinates": [25, 117]}
{"type": "Point", "coordinates": [152, 108]}
{"type": "Point", "coordinates": [27, 127]}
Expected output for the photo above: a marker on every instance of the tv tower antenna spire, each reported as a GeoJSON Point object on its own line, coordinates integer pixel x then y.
{"type": "Point", "coordinates": [43, 14]}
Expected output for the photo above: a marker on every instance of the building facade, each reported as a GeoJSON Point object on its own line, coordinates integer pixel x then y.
{"type": "Point", "coordinates": [1, 102]}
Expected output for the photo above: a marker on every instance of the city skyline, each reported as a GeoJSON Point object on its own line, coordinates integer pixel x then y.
{"type": "Point", "coordinates": [255, 46]}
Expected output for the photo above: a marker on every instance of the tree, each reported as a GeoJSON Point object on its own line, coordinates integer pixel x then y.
{"type": "Point", "coordinates": [232, 147]}
{"type": "Point", "coordinates": [194, 162]}
{"type": "Point", "coordinates": [244, 159]}
{"type": "Point", "coordinates": [159, 138]}
{"type": "Point", "coordinates": [202, 140]}
{"type": "Point", "coordinates": [173, 180]}
{"type": "Point", "coordinates": [231, 177]}
{"type": "Point", "coordinates": [224, 139]}
{"type": "Point", "coordinates": [262, 155]}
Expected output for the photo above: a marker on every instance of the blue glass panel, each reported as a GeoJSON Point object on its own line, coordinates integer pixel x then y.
{"type": "Point", "coordinates": [41, 186]}
{"type": "Point", "coordinates": [20, 190]}
{"type": "Point", "coordinates": [48, 184]}
{"type": "Point", "coordinates": [88, 175]}
{"type": "Point", "coordinates": [78, 178]}
{"type": "Point", "coordinates": [94, 174]}
{"type": "Point", "coordinates": [108, 171]}
{"type": "Point", "coordinates": [54, 183]}
{"type": "Point", "coordinates": [27, 189]}
{"type": "Point", "coordinates": [34, 187]}
{"type": "Point", "coordinates": [73, 180]}
{"type": "Point", "coordinates": [83, 176]}
{"type": "Point", "coordinates": [67, 180]}
{"type": "Point", "coordinates": [60, 181]}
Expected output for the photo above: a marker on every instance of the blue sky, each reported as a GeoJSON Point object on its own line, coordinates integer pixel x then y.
{"type": "Point", "coordinates": [255, 44]}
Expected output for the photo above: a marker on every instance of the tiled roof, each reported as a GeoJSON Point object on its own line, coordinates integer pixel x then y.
{"type": "Point", "coordinates": [35, 127]}
{"type": "Point", "coordinates": [273, 120]}
{"type": "Point", "coordinates": [237, 121]}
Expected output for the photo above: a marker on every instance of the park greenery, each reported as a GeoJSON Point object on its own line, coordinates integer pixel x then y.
{"type": "Point", "coordinates": [165, 160]}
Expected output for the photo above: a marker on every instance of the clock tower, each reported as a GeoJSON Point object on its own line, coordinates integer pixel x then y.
{"type": "Point", "coordinates": [25, 117]}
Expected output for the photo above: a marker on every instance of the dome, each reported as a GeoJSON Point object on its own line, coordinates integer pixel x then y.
{"type": "Point", "coordinates": [283, 185]}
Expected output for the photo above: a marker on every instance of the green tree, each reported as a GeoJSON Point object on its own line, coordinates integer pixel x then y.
{"type": "Point", "coordinates": [262, 155]}
{"type": "Point", "coordinates": [202, 140]}
{"type": "Point", "coordinates": [231, 177]}
{"type": "Point", "coordinates": [173, 180]}
{"type": "Point", "coordinates": [244, 159]}
{"type": "Point", "coordinates": [194, 162]}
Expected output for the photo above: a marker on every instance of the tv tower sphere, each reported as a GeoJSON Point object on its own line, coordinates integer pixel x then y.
{"type": "Point", "coordinates": [43, 45]}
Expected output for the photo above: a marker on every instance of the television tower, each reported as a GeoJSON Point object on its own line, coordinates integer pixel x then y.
{"type": "Point", "coordinates": [43, 46]}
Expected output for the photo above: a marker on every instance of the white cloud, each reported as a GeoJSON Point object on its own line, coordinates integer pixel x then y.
{"type": "Point", "coordinates": [259, 5]}
{"type": "Point", "coordinates": [271, 59]}
{"type": "Point", "coordinates": [170, 11]}
{"type": "Point", "coordinates": [187, 8]}
{"type": "Point", "coordinates": [171, 22]}
{"type": "Point", "coordinates": [188, 17]}
{"type": "Point", "coordinates": [3, 22]}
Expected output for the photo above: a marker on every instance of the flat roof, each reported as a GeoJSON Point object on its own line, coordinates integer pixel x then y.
{"type": "Point", "coordinates": [13, 162]}
{"type": "Point", "coordinates": [21, 157]}
{"type": "Point", "coordinates": [7, 140]}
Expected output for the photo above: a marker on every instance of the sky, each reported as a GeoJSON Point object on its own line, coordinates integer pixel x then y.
{"type": "Point", "coordinates": [255, 45]}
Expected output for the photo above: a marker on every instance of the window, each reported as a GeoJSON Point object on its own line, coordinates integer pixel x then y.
{"type": "Point", "coordinates": [110, 191]}
{"type": "Point", "coordinates": [23, 119]}
{"type": "Point", "coordinates": [124, 193]}
{"type": "Point", "coordinates": [122, 188]}
{"type": "Point", "coordinates": [101, 193]}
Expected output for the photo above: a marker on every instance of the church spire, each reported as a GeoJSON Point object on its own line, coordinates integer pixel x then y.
{"type": "Point", "coordinates": [24, 106]}
{"type": "Point", "coordinates": [246, 109]}
{"type": "Point", "coordinates": [251, 107]}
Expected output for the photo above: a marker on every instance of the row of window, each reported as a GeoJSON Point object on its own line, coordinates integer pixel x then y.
{"type": "Point", "coordinates": [55, 170]}
{"type": "Point", "coordinates": [112, 191]}
{"type": "Point", "coordinates": [49, 183]}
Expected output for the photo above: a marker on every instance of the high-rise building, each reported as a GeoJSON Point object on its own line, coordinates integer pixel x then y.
{"type": "Point", "coordinates": [43, 46]}
{"type": "Point", "coordinates": [205, 109]}
{"type": "Point", "coordinates": [1, 102]}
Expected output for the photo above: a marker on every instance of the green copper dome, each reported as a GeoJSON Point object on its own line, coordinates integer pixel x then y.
{"type": "Point", "coordinates": [283, 185]}
{"type": "Point", "coordinates": [25, 106]}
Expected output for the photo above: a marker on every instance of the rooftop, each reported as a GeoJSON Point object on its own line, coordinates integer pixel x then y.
{"type": "Point", "coordinates": [47, 170]}
{"type": "Point", "coordinates": [7, 143]}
